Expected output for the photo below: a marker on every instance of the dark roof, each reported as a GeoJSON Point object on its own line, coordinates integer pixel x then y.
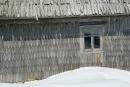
{"type": "Point", "coordinates": [62, 8]}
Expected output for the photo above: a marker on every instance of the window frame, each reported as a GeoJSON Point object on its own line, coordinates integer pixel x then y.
{"type": "Point", "coordinates": [82, 42]}
{"type": "Point", "coordinates": [92, 42]}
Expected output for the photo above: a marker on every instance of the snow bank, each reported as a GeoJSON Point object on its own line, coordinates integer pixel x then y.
{"type": "Point", "coordinates": [83, 77]}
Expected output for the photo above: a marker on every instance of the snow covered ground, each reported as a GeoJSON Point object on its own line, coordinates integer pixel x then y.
{"type": "Point", "coordinates": [83, 77]}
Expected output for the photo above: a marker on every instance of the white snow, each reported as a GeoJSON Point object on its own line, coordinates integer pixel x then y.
{"type": "Point", "coordinates": [83, 77]}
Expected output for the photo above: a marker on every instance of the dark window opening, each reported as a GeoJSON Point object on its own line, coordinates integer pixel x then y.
{"type": "Point", "coordinates": [87, 40]}
{"type": "Point", "coordinates": [96, 42]}
{"type": "Point", "coordinates": [91, 41]}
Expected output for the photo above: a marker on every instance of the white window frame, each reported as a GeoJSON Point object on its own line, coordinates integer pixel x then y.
{"type": "Point", "coordinates": [82, 42]}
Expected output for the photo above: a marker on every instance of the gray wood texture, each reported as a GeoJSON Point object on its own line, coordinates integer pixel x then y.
{"type": "Point", "coordinates": [32, 50]}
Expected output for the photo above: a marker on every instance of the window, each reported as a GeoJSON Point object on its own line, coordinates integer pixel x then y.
{"type": "Point", "coordinates": [87, 41]}
{"type": "Point", "coordinates": [91, 41]}
{"type": "Point", "coordinates": [91, 36]}
{"type": "Point", "coordinates": [96, 42]}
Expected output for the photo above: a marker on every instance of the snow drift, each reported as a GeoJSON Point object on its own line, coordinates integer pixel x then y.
{"type": "Point", "coordinates": [83, 77]}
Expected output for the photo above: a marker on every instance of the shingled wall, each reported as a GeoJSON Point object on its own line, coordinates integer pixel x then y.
{"type": "Point", "coordinates": [32, 50]}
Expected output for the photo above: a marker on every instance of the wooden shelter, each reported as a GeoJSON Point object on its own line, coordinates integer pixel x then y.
{"type": "Point", "coordinates": [40, 38]}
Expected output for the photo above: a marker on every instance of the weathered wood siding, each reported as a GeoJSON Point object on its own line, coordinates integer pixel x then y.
{"type": "Point", "coordinates": [116, 43]}
{"type": "Point", "coordinates": [33, 51]}
{"type": "Point", "coordinates": [36, 49]}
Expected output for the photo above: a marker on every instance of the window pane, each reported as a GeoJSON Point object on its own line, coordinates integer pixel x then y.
{"type": "Point", "coordinates": [97, 42]}
{"type": "Point", "coordinates": [87, 42]}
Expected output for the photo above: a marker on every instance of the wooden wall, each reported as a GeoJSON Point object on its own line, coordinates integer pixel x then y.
{"type": "Point", "coordinates": [116, 43]}
{"type": "Point", "coordinates": [36, 50]}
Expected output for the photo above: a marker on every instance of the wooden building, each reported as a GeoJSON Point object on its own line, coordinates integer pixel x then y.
{"type": "Point", "coordinates": [40, 38]}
